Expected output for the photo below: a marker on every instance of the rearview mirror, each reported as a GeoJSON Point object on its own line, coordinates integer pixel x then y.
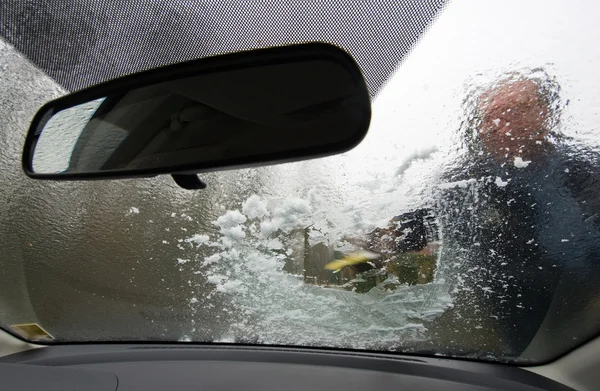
{"type": "Point", "coordinates": [237, 110]}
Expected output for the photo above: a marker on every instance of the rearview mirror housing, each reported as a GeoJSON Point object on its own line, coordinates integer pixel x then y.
{"type": "Point", "coordinates": [237, 110]}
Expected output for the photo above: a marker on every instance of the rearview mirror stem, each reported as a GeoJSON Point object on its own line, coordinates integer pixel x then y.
{"type": "Point", "coordinates": [189, 181]}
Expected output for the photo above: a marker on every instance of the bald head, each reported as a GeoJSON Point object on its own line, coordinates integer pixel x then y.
{"type": "Point", "coordinates": [514, 118]}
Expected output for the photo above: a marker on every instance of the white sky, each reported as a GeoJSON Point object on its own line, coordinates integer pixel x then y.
{"type": "Point", "coordinates": [475, 41]}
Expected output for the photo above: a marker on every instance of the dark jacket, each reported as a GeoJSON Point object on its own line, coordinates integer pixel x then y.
{"type": "Point", "coordinates": [509, 236]}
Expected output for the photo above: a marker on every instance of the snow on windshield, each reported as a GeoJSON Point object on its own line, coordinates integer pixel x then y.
{"type": "Point", "coordinates": [273, 305]}
{"type": "Point", "coordinates": [413, 241]}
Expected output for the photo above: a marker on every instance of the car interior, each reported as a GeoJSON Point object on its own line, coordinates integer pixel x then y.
{"type": "Point", "coordinates": [326, 195]}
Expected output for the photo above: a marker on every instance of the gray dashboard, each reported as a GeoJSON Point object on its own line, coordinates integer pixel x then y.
{"type": "Point", "coordinates": [105, 367]}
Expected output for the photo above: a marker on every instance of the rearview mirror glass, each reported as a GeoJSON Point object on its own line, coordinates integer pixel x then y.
{"type": "Point", "coordinates": [243, 109]}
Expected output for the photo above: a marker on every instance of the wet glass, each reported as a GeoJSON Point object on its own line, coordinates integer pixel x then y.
{"type": "Point", "coordinates": [453, 244]}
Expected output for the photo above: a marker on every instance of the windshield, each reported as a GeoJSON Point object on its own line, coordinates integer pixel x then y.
{"type": "Point", "coordinates": [464, 225]}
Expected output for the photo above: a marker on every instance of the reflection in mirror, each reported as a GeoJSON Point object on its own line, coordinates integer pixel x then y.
{"type": "Point", "coordinates": [261, 114]}
{"type": "Point", "coordinates": [55, 145]}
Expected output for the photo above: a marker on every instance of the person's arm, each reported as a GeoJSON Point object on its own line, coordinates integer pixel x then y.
{"type": "Point", "coordinates": [409, 232]}
{"type": "Point", "coordinates": [583, 181]}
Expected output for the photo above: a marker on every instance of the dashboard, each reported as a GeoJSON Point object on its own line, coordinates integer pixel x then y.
{"type": "Point", "coordinates": [124, 367]}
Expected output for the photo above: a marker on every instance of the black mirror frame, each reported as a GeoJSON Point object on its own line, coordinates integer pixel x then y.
{"type": "Point", "coordinates": [308, 51]}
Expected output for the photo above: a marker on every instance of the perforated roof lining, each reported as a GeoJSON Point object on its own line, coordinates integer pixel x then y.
{"type": "Point", "coordinates": [92, 41]}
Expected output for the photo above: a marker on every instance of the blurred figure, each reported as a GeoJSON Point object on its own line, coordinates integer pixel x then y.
{"type": "Point", "coordinates": [514, 121]}
{"type": "Point", "coordinates": [516, 213]}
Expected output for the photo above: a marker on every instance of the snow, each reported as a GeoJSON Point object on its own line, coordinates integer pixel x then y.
{"type": "Point", "coordinates": [224, 285]}
{"type": "Point", "coordinates": [198, 239]}
{"type": "Point", "coordinates": [181, 261]}
{"type": "Point", "coordinates": [289, 214]}
{"type": "Point", "coordinates": [231, 228]}
{"type": "Point", "coordinates": [275, 304]}
{"type": "Point", "coordinates": [216, 278]}
{"type": "Point", "coordinates": [225, 339]}
{"type": "Point", "coordinates": [268, 227]}
{"type": "Point", "coordinates": [496, 122]}
{"type": "Point", "coordinates": [133, 210]}
{"type": "Point", "coordinates": [211, 259]}
{"type": "Point", "coordinates": [229, 286]}
{"type": "Point", "coordinates": [520, 163]}
{"type": "Point", "coordinates": [235, 233]}
{"type": "Point", "coordinates": [500, 183]}
{"type": "Point", "coordinates": [230, 219]}
{"type": "Point", "coordinates": [275, 244]}
{"type": "Point", "coordinates": [254, 207]}
{"type": "Point", "coordinates": [419, 154]}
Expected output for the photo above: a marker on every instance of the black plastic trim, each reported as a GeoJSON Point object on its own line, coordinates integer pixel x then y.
{"type": "Point", "coordinates": [481, 374]}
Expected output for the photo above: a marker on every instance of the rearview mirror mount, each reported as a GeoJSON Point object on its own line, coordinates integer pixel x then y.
{"type": "Point", "coordinates": [237, 110]}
